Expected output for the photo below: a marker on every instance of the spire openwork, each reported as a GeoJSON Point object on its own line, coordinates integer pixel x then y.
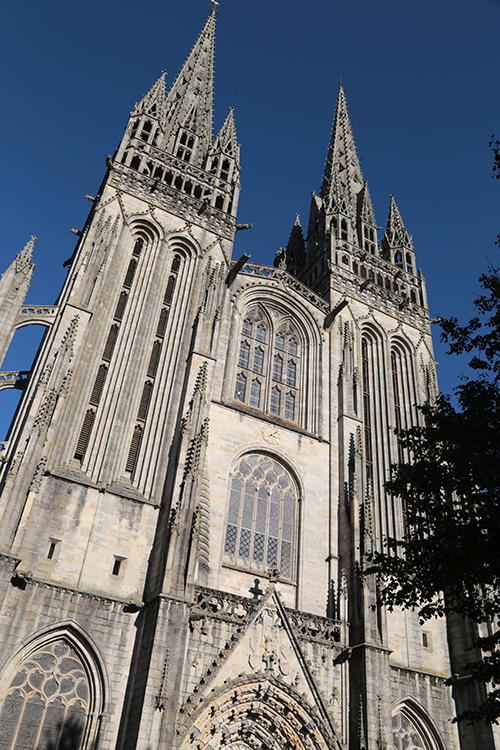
{"type": "Point", "coordinates": [189, 101]}
{"type": "Point", "coordinates": [343, 178]}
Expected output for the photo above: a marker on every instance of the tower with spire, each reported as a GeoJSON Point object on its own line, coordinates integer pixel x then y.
{"type": "Point", "coordinates": [196, 467]}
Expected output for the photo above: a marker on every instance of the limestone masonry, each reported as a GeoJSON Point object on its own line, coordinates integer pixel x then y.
{"type": "Point", "coordinates": [197, 465]}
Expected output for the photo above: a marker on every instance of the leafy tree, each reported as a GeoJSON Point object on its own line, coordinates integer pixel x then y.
{"type": "Point", "coordinates": [449, 559]}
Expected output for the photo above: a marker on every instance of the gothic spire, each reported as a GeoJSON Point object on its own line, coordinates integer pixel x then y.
{"type": "Point", "coordinates": [343, 178]}
{"type": "Point", "coordinates": [189, 101]}
{"type": "Point", "coordinates": [225, 141]}
{"type": "Point", "coordinates": [153, 103]}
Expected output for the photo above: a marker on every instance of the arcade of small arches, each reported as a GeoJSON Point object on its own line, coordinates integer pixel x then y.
{"type": "Point", "coordinates": [220, 167]}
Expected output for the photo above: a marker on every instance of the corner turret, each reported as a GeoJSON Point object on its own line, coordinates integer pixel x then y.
{"type": "Point", "coordinates": [14, 285]}
{"type": "Point", "coordinates": [224, 162]}
{"type": "Point", "coordinates": [293, 257]}
{"type": "Point", "coordinates": [397, 243]}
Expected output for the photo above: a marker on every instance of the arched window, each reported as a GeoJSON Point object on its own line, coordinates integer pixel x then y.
{"type": "Point", "coordinates": [412, 733]}
{"type": "Point", "coordinates": [262, 517]}
{"type": "Point", "coordinates": [49, 701]}
{"type": "Point", "coordinates": [185, 145]}
{"type": "Point", "coordinates": [276, 357]}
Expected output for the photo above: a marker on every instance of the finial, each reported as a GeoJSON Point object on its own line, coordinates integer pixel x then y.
{"type": "Point", "coordinates": [215, 3]}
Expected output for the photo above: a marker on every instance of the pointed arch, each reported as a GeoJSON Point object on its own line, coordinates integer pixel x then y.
{"type": "Point", "coordinates": [146, 228]}
{"type": "Point", "coordinates": [53, 689]}
{"type": "Point", "coordinates": [257, 711]}
{"type": "Point", "coordinates": [263, 518]}
{"type": "Point", "coordinates": [413, 727]}
{"type": "Point", "coordinates": [284, 361]}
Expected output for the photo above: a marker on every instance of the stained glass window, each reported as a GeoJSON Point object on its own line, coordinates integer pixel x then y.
{"type": "Point", "coordinates": [244, 353]}
{"type": "Point", "coordinates": [274, 354]}
{"type": "Point", "coordinates": [239, 391]}
{"type": "Point", "coordinates": [275, 401]}
{"type": "Point", "coordinates": [261, 516]}
{"type": "Point", "coordinates": [255, 394]}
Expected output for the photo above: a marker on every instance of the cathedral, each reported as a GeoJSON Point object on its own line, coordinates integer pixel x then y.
{"type": "Point", "coordinates": [196, 467]}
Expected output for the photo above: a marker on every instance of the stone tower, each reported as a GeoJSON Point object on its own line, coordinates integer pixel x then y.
{"type": "Point", "coordinates": [197, 463]}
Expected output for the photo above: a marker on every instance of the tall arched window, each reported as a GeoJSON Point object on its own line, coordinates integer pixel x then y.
{"type": "Point", "coordinates": [262, 517]}
{"type": "Point", "coordinates": [49, 701]}
{"type": "Point", "coordinates": [268, 371]}
{"type": "Point", "coordinates": [403, 391]}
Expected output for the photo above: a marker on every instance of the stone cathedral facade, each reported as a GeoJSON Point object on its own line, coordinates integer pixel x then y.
{"type": "Point", "coordinates": [196, 465]}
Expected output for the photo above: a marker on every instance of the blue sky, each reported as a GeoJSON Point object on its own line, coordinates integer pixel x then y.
{"type": "Point", "coordinates": [421, 81]}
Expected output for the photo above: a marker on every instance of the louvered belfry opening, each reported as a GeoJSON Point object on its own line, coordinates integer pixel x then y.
{"type": "Point", "coordinates": [83, 440]}
{"type": "Point", "coordinates": [154, 360]}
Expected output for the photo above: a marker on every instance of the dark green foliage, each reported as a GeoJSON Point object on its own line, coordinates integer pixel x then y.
{"type": "Point", "coordinates": [449, 560]}
{"type": "Point", "coordinates": [495, 147]}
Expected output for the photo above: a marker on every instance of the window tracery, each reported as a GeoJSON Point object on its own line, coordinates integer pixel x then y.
{"type": "Point", "coordinates": [406, 735]}
{"type": "Point", "coordinates": [47, 702]}
{"type": "Point", "coordinates": [260, 531]}
{"type": "Point", "coordinates": [268, 371]}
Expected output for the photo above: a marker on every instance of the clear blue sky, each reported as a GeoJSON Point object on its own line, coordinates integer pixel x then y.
{"type": "Point", "coordinates": [421, 81]}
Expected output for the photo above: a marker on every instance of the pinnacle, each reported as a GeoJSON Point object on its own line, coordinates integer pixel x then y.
{"type": "Point", "coordinates": [296, 248]}
{"type": "Point", "coordinates": [365, 210]}
{"type": "Point", "coordinates": [396, 233]}
{"type": "Point", "coordinates": [153, 102]}
{"type": "Point", "coordinates": [24, 257]}
{"type": "Point", "coordinates": [226, 141]}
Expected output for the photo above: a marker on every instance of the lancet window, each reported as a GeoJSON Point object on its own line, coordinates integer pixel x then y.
{"type": "Point", "coordinates": [268, 367]}
{"type": "Point", "coordinates": [376, 429]}
{"type": "Point", "coordinates": [95, 396]}
{"type": "Point", "coordinates": [262, 517]}
{"type": "Point", "coordinates": [185, 146]}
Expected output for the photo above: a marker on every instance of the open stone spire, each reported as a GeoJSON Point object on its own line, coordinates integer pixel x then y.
{"type": "Point", "coordinates": [343, 178]}
{"type": "Point", "coordinates": [189, 101]}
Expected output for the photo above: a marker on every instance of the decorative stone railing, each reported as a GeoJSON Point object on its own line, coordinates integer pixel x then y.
{"type": "Point", "coordinates": [15, 379]}
{"type": "Point", "coordinates": [232, 608]}
{"type": "Point", "coordinates": [44, 314]}
{"type": "Point", "coordinates": [269, 272]}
